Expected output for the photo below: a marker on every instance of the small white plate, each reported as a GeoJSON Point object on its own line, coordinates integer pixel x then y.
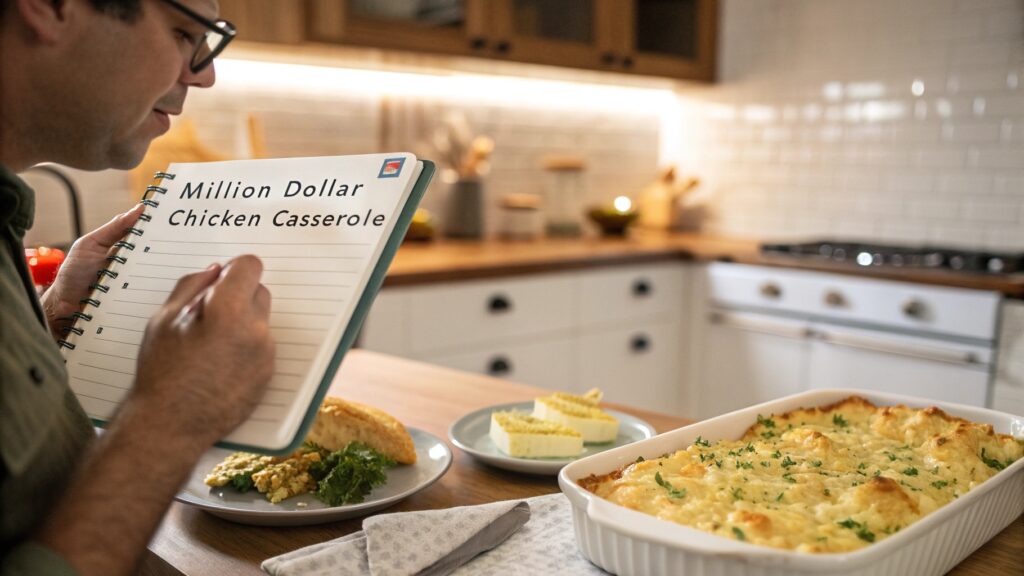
{"type": "Point", "coordinates": [433, 458]}
{"type": "Point", "coordinates": [471, 434]}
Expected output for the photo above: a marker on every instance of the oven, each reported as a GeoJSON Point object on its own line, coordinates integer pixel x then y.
{"type": "Point", "coordinates": [774, 331]}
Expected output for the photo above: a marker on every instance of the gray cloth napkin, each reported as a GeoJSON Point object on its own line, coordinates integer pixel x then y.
{"type": "Point", "coordinates": [533, 536]}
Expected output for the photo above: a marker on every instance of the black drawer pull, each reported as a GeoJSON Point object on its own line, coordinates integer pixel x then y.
{"type": "Point", "coordinates": [499, 304]}
{"type": "Point", "coordinates": [478, 43]}
{"type": "Point", "coordinates": [499, 366]}
{"type": "Point", "coordinates": [502, 47]}
{"type": "Point", "coordinates": [640, 343]}
{"type": "Point", "coordinates": [627, 62]}
{"type": "Point", "coordinates": [642, 288]}
{"type": "Point", "coordinates": [608, 58]}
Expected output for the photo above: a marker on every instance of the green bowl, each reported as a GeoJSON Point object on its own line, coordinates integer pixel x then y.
{"type": "Point", "coordinates": [612, 222]}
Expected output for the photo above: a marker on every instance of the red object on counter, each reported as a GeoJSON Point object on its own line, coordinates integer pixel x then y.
{"type": "Point", "coordinates": [43, 263]}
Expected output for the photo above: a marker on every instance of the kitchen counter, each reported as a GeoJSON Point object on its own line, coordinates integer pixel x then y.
{"type": "Point", "coordinates": [194, 543]}
{"type": "Point", "coordinates": [448, 260]}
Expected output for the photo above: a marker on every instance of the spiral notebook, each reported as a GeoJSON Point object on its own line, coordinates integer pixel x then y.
{"type": "Point", "coordinates": [326, 230]}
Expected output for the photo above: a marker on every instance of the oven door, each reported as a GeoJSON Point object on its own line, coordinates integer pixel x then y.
{"type": "Point", "coordinates": [899, 364]}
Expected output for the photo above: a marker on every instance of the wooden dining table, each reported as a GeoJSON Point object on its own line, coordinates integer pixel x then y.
{"type": "Point", "coordinates": [192, 542]}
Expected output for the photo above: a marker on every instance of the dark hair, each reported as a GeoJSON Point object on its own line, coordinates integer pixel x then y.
{"type": "Point", "coordinates": [127, 10]}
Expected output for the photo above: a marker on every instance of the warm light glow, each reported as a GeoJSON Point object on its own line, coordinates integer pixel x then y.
{"type": "Point", "coordinates": [917, 87]}
{"type": "Point", "coordinates": [458, 87]}
{"type": "Point", "coordinates": [622, 203]}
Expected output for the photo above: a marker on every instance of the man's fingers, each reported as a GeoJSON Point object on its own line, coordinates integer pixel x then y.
{"type": "Point", "coordinates": [190, 286]}
{"type": "Point", "coordinates": [241, 276]}
{"type": "Point", "coordinates": [112, 231]}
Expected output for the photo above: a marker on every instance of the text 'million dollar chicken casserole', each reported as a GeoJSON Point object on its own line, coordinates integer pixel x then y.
{"type": "Point", "coordinates": [828, 479]}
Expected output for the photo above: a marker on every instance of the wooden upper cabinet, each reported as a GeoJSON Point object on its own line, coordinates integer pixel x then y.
{"type": "Point", "coordinates": [266, 20]}
{"type": "Point", "coordinates": [438, 26]}
{"type": "Point", "coordinates": [673, 38]}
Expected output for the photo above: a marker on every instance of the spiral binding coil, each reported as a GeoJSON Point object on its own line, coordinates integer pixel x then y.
{"type": "Point", "coordinates": [97, 286]}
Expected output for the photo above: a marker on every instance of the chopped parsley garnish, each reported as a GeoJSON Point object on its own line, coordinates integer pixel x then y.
{"type": "Point", "coordinates": [768, 434]}
{"type": "Point", "coordinates": [910, 471]}
{"type": "Point", "coordinates": [737, 494]}
{"type": "Point", "coordinates": [788, 478]}
{"type": "Point", "coordinates": [766, 464]}
{"type": "Point", "coordinates": [862, 529]}
{"type": "Point", "coordinates": [892, 457]}
{"type": "Point", "coordinates": [940, 484]}
{"type": "Point", "coordinates": [816, 463]}
{"type": "Point", "coordinates": [787, 462]}
{"type": "Point", "coordinates": [766, 422]}
{"type": "Point", "coordinates": [993, 463]}
{"type": "Point", "coordinates": [838, 420]}
{"type": "Point", "coordinates": [242, 482]}
{"type": "Point", "coordinates": [672, 492]}
{"type": "Point", "coordinates": [749, 447]}
{"type": "Point", "coordinates": [747, 465]}
{"type": "Point", "coordinates": [739, 533]}
{"type": "Point", "coordinates": [828, 492]}
{"type": "Point", "coordinates": [639, 459]}
{"type": "Point", "coordinates": [776, 454]}
{"type": "Point", "coordinates": [862, 466]}
{"type": "Point", "coordinates": [701, 442]}
{"type": "Point", "coordinates": [779, 497]}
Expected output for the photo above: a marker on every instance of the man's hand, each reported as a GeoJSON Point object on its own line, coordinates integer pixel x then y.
{"type": "Point", "coordinates": [207, 354]}
{"type": "Point", "coordinates": [87, 255]}
{"type": "Point", "coordinates": [204, 363]}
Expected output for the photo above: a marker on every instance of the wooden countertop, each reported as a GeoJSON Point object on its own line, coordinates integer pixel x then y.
{"type": "Point", "coordinates": [194, 543]}
{"type": "Point", "coordinates": [448, 260]}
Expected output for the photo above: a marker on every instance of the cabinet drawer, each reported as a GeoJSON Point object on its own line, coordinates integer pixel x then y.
{"type": "Point", "coordinates": [444, 317]}
{"type": "Point", "coordinates": [386, 326]}
{"type": "Point", "coordinates": [546, 363]}
{"type": "Point", "coordinates": [901, 305]}
{"type": "Point", "coordinates": [631, 293]}
{"type": "Point", "coordinates": [636, 365]}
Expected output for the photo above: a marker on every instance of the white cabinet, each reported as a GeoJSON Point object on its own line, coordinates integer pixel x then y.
{"type": "Point", "coordinates": [616, 328]}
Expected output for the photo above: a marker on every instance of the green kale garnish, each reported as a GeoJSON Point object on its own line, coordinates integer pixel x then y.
{"type": "Point", "coordinates": [838, 420]}
{"type": "Point", "coordinates": [993, 463]}
{"type": "Point", "coordinates": [347, 476]}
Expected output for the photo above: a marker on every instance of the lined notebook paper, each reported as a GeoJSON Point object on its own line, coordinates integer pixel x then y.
{"type": "Point", "coordinates": [325, 229]}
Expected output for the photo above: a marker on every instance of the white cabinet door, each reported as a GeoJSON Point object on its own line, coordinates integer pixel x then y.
{"type": "Point", "coordinates": [750, 358]}
{"type": "Point", "coordinates": [630, 293]}
{"type": "Point", "coordinates": [545, 363]}
{"type": "Point", "coordinates": [386, 328]}
{"type": "Point", "coordinates": [898, 364]}
{"type": "Point", "coordinates": [634, 365]}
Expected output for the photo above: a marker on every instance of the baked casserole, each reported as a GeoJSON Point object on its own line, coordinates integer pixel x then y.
{"type": "Point", "coordinates": [829, 479]}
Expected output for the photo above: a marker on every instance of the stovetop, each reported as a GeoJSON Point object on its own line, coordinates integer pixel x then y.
{"type": "Point", "coordinates": [895, 256]}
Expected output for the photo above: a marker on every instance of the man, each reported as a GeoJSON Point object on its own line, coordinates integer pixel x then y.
{"type": "Point", "coordinates": [89, 83]}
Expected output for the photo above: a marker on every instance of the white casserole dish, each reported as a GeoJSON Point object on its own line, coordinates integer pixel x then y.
{"type": "Point", "coordinates": [623, 541]}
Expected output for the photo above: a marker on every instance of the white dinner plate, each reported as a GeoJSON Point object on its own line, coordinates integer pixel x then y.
{"type": "Point", "coordinates": [433, 458]}
{"type": "Point", "coordinates": [470, 433]}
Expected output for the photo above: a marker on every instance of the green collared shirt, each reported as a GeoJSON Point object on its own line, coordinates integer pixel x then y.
{"type": "Point", "coordinates": [43, 429]}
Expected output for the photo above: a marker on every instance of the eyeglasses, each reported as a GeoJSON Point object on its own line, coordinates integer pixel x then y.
{"type": "Point", "coordinates": [216, 38]}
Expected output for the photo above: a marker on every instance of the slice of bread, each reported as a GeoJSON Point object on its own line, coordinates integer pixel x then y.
{"type": "Point", "coordinates": [340, 422]}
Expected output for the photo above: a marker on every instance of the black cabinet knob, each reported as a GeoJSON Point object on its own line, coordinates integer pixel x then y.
{"type": "Point", "coordinates": [498, 304]}
{"type": "Point", "coordinates": [627, 62]}
{"type": "Point", "coordinates": [641, 288]}
{"type": "Point", "coordinates": [502, 47]}
{"type": "Point", "coordinates": [608, 58]}
{"type": "Point", "coordinates": [499, 366]}
{"type": "Point", "coordinates": [640, 343]}
{"type": "Point", "coordinates": [478, 43]}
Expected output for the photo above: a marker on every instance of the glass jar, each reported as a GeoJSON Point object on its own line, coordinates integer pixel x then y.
{"type": "Point", "coordinates": [564, 195]}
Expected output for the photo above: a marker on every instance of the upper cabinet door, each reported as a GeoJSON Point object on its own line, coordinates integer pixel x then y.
{"type": "Point", "coordinates": [438, 26]}
{"type": "Point", "coordinates": [571, 33]}
{"type": "Point", "coordinates": [673, 38]}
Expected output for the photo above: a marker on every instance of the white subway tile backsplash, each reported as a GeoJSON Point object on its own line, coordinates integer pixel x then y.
{"type": "Point", "coordinates": [909, 113]}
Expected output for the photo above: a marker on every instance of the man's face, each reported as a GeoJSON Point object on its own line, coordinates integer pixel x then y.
{"type": "Point", "coordinates": [129, 77]}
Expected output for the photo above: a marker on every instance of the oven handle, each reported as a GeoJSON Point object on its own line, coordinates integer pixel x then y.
{"type": "Point", "coordinates": [899, 349]}
{"type": "Point", "coordinates": [760, 326]}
